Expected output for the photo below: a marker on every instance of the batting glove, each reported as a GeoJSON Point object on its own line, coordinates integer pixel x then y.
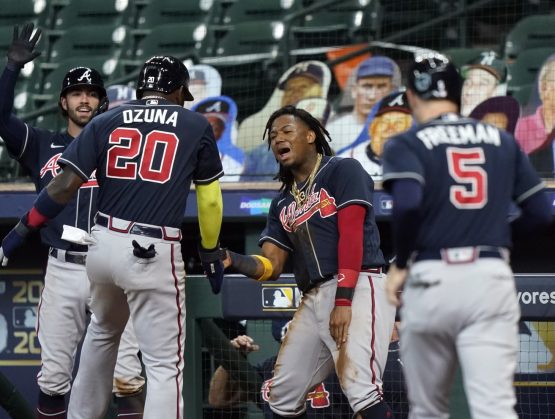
{"type": "Point", "coordinates": [211, 260]}
{"type": "Point", "coordinates": [21, 50]}
{"type": "Point", "coordinates": [14, 239]}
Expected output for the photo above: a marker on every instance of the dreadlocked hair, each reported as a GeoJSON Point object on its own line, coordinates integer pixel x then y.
{"type": "Point", "coordinates": [321, 142]}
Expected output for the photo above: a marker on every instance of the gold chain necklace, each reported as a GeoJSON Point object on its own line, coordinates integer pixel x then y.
{"type": "Point", "coordinates": [301, 196]}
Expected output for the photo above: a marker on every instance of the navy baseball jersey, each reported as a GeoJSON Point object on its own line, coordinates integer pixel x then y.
{"type": "Point", "coordinates": [326, 400]}
{"type": "Point", "coordinates": [470, 173]}
{"type": "Point", "coordinates": [38, 151]}
{"type": "Point", "coordinates": [143, 152]}
{"type": "Point", "coordinates": [312, 229]}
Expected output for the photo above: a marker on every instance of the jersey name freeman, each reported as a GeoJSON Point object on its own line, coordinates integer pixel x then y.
{"type": "Point", "coordinates": [150, 115]}
{"type": "Point", "coordinates": [459, 134]}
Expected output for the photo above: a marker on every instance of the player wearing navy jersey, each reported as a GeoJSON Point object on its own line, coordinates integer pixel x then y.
{"type": "Point", "coordinates": [64, 303]}
{"type": "Point", "coordinates": [323, 217]}
{"type": "Point", "coordinates": [145, 153]}
{"type": "Point", "coordinates": [453, 181]}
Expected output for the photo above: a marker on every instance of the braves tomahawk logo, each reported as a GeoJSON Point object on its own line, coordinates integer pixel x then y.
{"type": "Point", "coordinates": [320, 201]}
{"type": "Point", "coordinates": [319, 397]}
{"type": "Point", "coordinates": [51, 166]}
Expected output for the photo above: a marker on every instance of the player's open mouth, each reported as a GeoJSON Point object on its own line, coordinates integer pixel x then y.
{"type": "Point", "coordinates": [282, 152]}
{"type": "Point", "coordinates": [84, 110]}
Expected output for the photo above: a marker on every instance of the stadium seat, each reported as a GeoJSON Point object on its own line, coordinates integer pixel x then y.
{"type": "Point", "coordinates": [8, 166]}
{"type": "Point", "coordinates": [94, 40]}
{"type": "Point", "coordinates": [67, 13]}
{"type": "Point", "coordinates": [537, 31]}
{"type": "Point", "coordinates": [524, 70]}
{"type": "Point", "coordinates": [179, 39]}
{"type": "Point", "coordinates": [254, 40]}
{"type": "Point", "coordinates": [250, 10]}
{"type": "Point", "coordinates": [16, 12]}
{"type": "Point", "coordinates": [342, 24]}
{"type": "Point", "coordinates": [160, 12]}
{"type": "Point", "coordinates": [52, 121]}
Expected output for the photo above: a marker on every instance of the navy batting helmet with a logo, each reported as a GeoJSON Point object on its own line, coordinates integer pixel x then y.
{"type": "Point", "coordinates": [83, 76]}
{"type": "Point", "coordinates": [434, 77]}
{"type": "Point", "coordinates": [163, 74]}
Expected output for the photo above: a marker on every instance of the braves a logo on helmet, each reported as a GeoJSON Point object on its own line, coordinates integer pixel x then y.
{"type": "Point", "coordinates": [320, 202]}
{"type": "Point", "coordinates": [51, 166]}
{"type": "Point", "coordinates": [86, 76]}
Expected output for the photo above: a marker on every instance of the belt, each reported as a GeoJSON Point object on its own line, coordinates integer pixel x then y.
{"type": "Point", "coordinates": [66, 256]}
{"type": "Point", "coordinates": [462, 254]}
{"type": "Point", "coordinates": [364, 269]}
{"type": "Point", "coordinates": [131, 227]}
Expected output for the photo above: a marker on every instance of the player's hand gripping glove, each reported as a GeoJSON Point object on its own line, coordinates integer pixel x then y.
{"type": "Point", "coordinates": [14, 239]}
{"type": "Point", "coordinates": [212, 263]}
{"type": "Point", "coordinates": [21, 50]}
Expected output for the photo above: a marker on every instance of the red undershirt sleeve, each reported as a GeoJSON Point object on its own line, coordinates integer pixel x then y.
{"type": "Point", "coordinates": [350, 222]}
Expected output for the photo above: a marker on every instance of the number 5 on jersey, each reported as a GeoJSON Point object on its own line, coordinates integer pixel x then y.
{"type": "Point", "coordinates": [160, 144]}
{"type": "Point", "coordinates": [471, 190]}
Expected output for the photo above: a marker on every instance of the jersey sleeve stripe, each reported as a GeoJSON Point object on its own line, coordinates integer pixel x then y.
{"type": "Point", "coordinates": [530, 192]}
{"type": "Point", "coordinates": [276, 242]}
{"type": "Point", "coordinates": [404, 175]}
{"type": "Point", "coordinates": [354, 202]}
{"type": "Point", "coordinates": [24, 142]}
{"type": "Point", "coordinates": [209, 180]}
{"type": "Point", "coordinates": [75, 168]}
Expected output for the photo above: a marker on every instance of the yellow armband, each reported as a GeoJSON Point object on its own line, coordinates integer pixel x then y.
{"type": "Point", "coordinates": [268, 268]}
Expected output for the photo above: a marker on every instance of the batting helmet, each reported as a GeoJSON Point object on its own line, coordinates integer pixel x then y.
{"type": "Point", "coordinates": [434, 77]}
{"type": "Point", "coordinates": [163, 74]}
{"type": "Point", "coordinates": [83, 76]}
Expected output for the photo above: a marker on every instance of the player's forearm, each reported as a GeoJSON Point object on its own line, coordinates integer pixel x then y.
{"type": "Point", "coordinates": [210, 212]}
{"type": "Point", "coordinates": [253, 266]}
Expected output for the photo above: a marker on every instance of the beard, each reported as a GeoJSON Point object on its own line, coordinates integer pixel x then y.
{"type": "Point", "coordinates": [78, 119]}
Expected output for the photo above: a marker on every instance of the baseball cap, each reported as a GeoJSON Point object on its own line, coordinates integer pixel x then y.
{"type": "Point", "coordinates": [395, 102]}
{"type": "Point", "coordinates": [217, 108]}
{"type": "Point", "coordinates": [318, 107]}
{"type": "Point", "coordinates": [378, 65]}
{"type": "Point", "coordinates": [312, 71]}
{"type": "Point", "coordinates": [490, 62]}
{"type": "Point", "coordinates": [506, 105]}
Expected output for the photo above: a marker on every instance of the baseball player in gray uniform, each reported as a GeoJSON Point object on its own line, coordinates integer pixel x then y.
{"type": "Point", "coordinates": [453, 180]}
{"type": "Point", "coordinates": [323, 218]}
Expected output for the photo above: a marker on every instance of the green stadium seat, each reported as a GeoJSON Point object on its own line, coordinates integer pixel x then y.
{"type": "Point", "coordinates": [461, 56]}
{"type": "Point", "coordinates": [250, 10]}
{"type": "Point", "coordinates": [160, 12]}
{"type": "Point", "coordinates": [253, 41]}
{"type": "Point", "coordinates": [16, 12]}
{"type": "Point", "coordinates": [67, 13]}
{"type": "Point", "coordinates": [524, 70]}
{"type": "Point", "coordinates": [94, 40]}
{"type": "Point", "coordinates": [537, 31]}
{"type": "Point", "coordinates": [342, 24]}
{"type": "Point", "coordinates": [522, 93]}
{"type": "Point", "coordinates": [52, 121]}
{"type": "Point", "coordinates": [178, 39]}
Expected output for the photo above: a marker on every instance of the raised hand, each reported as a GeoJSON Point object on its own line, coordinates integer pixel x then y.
{"type": "Point", "coordinates": [22, 48]}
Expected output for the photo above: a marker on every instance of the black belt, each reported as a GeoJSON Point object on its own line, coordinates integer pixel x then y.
{"type": "Point", "coordinates": [139, 229]}
{"type": "Point", "coordinates": [438, 254]}
{"type": "Point", "coordinates": [366, 269]}
{"type": "Point", "coordinates": [69, 257]}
